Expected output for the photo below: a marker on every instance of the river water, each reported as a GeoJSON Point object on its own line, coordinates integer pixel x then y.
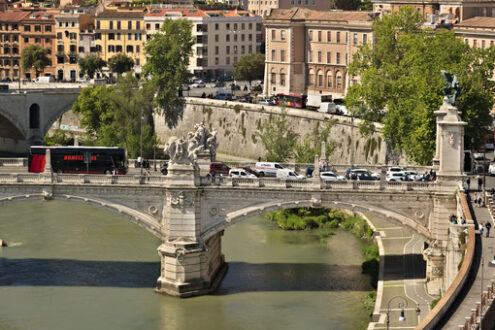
{"type": "Point", "coordinates": [72, 266]}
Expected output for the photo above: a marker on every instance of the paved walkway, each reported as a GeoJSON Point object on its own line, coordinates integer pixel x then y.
{"type": "Point", "coordinates": [481, 215]}
{"type": "Point", "coordinates": [404, 276]}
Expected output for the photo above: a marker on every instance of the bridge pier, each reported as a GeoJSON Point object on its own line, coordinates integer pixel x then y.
{"type": "Point", "coordinates": [191, 268]}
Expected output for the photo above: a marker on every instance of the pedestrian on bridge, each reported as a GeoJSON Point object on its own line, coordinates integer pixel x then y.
{"type": "Point", "coordinates": [488, 226]}
{"type": "Point", "coordinates": [480, 183]}
{"type": "Point", "coordinates": [468, 182]}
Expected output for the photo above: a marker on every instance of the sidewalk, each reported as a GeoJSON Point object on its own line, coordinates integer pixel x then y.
{"type": "Point", "coordinates": [481, 215]}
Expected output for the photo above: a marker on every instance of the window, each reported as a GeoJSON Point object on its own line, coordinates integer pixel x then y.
{"type": "Point", "coordinates": [111, 48]}
{"type": "Point", "coordinates": [491, 43]}
{"type": "Point", "coordinates": [282, 78]}
{"type": "Point", "coordinates": [227, 50]}
{"type": "Point", "coordinates": [339, 80]}
{"type": "Point", "coordinates": [329, 79]}
{"type": "Point", "coordinates": [129, 25]}
{"type": "Point", "coordinates": [216, 26]}
{"type": "Point", "coordinates": [243, 37]}
{"type": "Point", "coordinates": [26, 40]}
{"type": "Point", "coordinates": [37, 28]}
{"type": "Point", "coordinates": [227, 26]}
{"type": "Point", "coordinates": [310, 35]}
{"type": "Point", "coordinates": [111, 25]}
{"type": "Point", "coordinates": [319, 56]}
{"type": "Point", "coordinates": [250, 37]}
{"type": "Point", "coordinates": [217, 38]}
{"type": "Point", "coordinates": [235, 50]}
{"type": "Point", "coordinates": [320, 78]}
{"type": "Point", "coordinates": [119, 27]}
{"type": "Point", "coordinates": [227, 60]}
{"type": "Point", "coordinates": [337, 58]}
{"type": "Point", "coordinates": [311, 77]}
{"type": "Point", "coordinates": [282, 35]}
{"type": "Point", "coordinates": [138, 25]}
{"type": "Point", "coordinates": [329, 57]}
{"type": "Point", "coordinates": [355, 39]}
{"type": "Point", "coordinates": [98, 25]}
{"type": "Point", "coordinates": [282, 55]}
{"type": "Point", "coordinates": [235, 26]}
{"type": "Point", "coordinates": [111, 36]}
{"type": "Point", "coordinates": [138, 49]}
{"type": "Point", "coordinates": [235, 37]}
{"type": "Point", "coordinates": [118, 35]}
{"type": "Point", "coordinates": [216, 50]}
{"type": "Point", "coordinates": [157, 26]}
{"type": "Point", "coordinates": [273, 78]}
{"type": "Point", "coordinates": [329, 36]}
{"type": "Point", "coordinates": [250, 26]}
{"type": "Point", "coordinates": [243, 26]}
{"type": "Point", "coordinates": [365, 38]}
{"type": "Point", "coordinates": [338, 36]}
{"type": "Point", "coordinates": [310, 56]}
{"type": "Point", "coordinates": [129, 49]}
{"type": "Point", "coordinates": [482, 43]}
{"type": "Point", "coordinates": [73, 36]}
{"type": "Point", "coordinates": [217, 61]}
{"type": "Point", "coordinates": [273, 55]}
{"type": "Point", "coordinates": [129, 36]}
{"type": "Point", "coordinates": [48, 28]}
{"type": "Point", "coordinates": [319, 36]}
{"type": "Point", "coordinates": [250, 49]}
{"type": "Point", "coordinates": [148, 26]}
{"type": "Point", "coordinates": [118, 48]}
{"type": "Point", "coordinates": [137, 36]}
{"type": "Point", "coordinates": [475, 43]}
{"type": "Point", "coordinates": [243, 49]}
{"type": "Point", "coordinates": [27, 27]}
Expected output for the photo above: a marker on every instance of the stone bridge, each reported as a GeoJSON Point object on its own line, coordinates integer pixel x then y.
{"type": "Point", "coordinates": [189, 212]}
{"type": "Point", "coordinates": [26, 117]}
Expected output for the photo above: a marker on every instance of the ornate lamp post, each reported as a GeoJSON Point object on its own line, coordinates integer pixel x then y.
{"type": "Point", "coordinates": [141, 141]}
{"type": "Point", "coordinates": [402, 304]}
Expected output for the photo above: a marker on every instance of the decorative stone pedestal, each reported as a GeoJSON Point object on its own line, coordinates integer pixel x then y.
{"type": "Point", "coordinates": [191, 268]}
{"type": "Point", "coordinates": [183, 175]}
{"type": "Point", "coordinates": [435, 264]}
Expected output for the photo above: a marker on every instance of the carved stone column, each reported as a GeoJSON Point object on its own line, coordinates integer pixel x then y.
{"type": "Point", "coordinates": [450, 148]}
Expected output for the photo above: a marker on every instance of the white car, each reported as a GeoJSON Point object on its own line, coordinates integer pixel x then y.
{"type": "Point", "coordinates": [413, 176]}
{"type": "Point", "coordinates": [396, 177]}
{"type": "Point", "coordinates": [289, 174]}
{"type": "Point", "coordinates": [241, 173]}
{"type": "Point", "coordinates": [198, 85]}
{"type": "Point", "coordinates": [491, 170]}
{"type": "Point", "coordinates": [331, 176]}
{"type": "Point", "coordinates": [479, 156]}
{"type": "Point", "coordinates": [395, 169]}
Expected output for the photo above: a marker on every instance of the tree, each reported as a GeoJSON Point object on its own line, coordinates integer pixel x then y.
{"type": "Point", "coordinates": [115, 115]}
{"type": "Point", "coordinates": [34, 56]}
{"type": "Point", "coordinates": [278, 138]}
{"type": "Point", "coordinates": [250, 67]}
{"type": "Point", "coordinates": [400, 80]}
{"type": "Point", "coordinates": [120, 63]}
{"type": "Point", "coordinates": [310, 146]}
{"type": "Point", "coordinates": [168, 53]}
{"type": "Point", "coordinates": [90, 64]}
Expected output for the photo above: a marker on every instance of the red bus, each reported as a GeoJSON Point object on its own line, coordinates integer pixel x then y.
{"type": "Point", "coordinates": [291, 100]}
{"type": "Point", "coordinates": [94, 160]}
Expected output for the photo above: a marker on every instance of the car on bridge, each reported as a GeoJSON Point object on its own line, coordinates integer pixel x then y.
{"type": "Point", "coordinates": [331, 176]}
{"type": "Point", "coordinates": [268, 168]}
{"type": "Point", "coordinates": [396, 177]}
{"type": "Point", "coordinates": [289, 175]}
{"type": "Point", "coordinates": [361, 174]}
{"type": "Point", "coordinates": [240, 172]}
{"type": "Point", "coordinates": [218, 168]}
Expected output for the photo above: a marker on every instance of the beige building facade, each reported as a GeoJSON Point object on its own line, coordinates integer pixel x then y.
{"type": "Point", "coordinates": [222, 37]}
{"type": "Point", "coordinates": [263, 7]}
{"type": "Point", "coordinates": [308, 52]}
{"type": "Point", "coordinates": [68, 26]}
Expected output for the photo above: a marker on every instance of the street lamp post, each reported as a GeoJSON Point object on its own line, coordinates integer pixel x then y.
{"type": "Point", "coordinates": [402, 305]}
{"type": "Point", "coordinates": [141, 141]}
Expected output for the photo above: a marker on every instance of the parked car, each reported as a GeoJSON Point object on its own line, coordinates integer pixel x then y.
{"type": "Point", "coordinates": [249, 170]}
{"type": "Point", "coordinates": [413, 176]}
{"type": "Point", "coordinates": [491, 170]}
{"type": "Point", "coordinates": [268, 168]}
{"type": "Point", "coordinates": [218, 168]}
{"type": "Point", "coordinates": [267, 101]}
{"type": "Point", "coordinates": [198, 85]}
{"type": "Point", "coordinates": [362, 174]}
{"type": "Point", "coordinates": [224, 96]}
{"type": "Point", "coordinates": [241, 173]}
{"type": "Point", "coordinates": [365, 176]}
{"type": "Point", "coordinates": [331, 176]}
{"type": "Point", "coordinates": [479, 156]}
{"type": "Point", "coordinates": [289, 174]}
{"type": "Point", "coordinates": [396, 177]}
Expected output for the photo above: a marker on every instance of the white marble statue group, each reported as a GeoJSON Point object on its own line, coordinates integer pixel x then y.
{"type": "Point", "coordinates": [185, 151]}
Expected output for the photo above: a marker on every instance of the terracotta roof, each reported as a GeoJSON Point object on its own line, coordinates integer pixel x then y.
{"type": "Point", "coordinates": [194, 12]}
{"type": "Point", "coordinates": [13, 16]}
{"type": "Point", "coordinates": [42, 16]}
{"type": "Point", "coordinates": [120, 14]}
{"type": "Point", "coordinates": [297, 13]}
{"type": "Point", "coordinates": [478, 22]}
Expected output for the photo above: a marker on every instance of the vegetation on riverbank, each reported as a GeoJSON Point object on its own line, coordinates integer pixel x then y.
{"type": "Point", "coordinates": [328, 220]}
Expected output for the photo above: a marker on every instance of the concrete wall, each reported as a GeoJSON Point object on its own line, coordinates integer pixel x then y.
{"type": "Point", "coordinates": [238, 126]}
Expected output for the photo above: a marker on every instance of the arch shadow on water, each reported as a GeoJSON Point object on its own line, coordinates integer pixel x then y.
{"type": "Point", "coordinates": [69, 272]}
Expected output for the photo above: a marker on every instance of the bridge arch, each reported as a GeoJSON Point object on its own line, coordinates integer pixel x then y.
{"type": "Point", "coordinates": [250, 211]}
{"type": "Point", "coordinates": [54, 115]}
{"type": "Point", "coordinates": [143, 220]}
{"type": "Point", "coordinates": [10, 126]}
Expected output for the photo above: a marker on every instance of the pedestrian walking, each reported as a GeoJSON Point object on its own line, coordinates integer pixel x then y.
{"type": "Point", "coordinates": [468, 181]}
{"type": "Point", "coordinates": [488, 226]}
{"type": "Point", "coordinates": [480, 228]}
{"type": "Point", "coordinates": [480, 183]}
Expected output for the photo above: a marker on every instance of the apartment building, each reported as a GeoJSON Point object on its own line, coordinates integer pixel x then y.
{"type": "Point", "coordinates": [10, 44]}
{"type": "Point", "coordinates": [222, 37]}
{"type": "Point", "coordinates": [74, 28]}
{"type": "Point", "coordinates": [39, 28]}
{"type": "Point", "coordinates": [308, 51]}
{"type": "Point", "coordinates": [477, 32]}
{"type": "Point", "coordinates": [459, 9]}
{"type": "Point", "coordinates": [262, 7]}
{"type": "Point", "coordinates": [121, 30]}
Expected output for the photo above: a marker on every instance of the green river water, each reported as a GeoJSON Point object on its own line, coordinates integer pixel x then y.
{"type": "Point", "coordinates": [72, 266]}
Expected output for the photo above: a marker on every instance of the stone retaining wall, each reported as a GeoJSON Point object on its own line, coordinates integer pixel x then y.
{"type": "Point", "coordinates": [238, 125]}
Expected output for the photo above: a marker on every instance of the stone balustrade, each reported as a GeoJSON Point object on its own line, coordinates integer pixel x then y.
{"type": "Point", "coordinates": [13, 162]}
{"type": "Point", "coordinates": [484, 313]}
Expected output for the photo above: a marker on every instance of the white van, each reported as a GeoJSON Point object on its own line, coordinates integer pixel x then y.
{"type": "Point", "coordinates": [45, 79]}
{"type": "Point", "coordinates": [241, 173]}
{"type": "Point", "coordinates": [268, 168]}
{"type": "Point", "coordinates": [315, 101]}
{"type": "Point", "coordinates": [289, 174]}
